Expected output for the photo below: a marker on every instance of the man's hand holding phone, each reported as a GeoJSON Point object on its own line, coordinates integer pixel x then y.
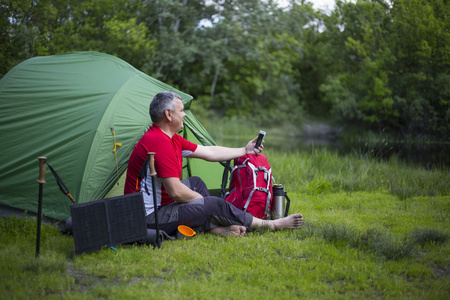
{"type": "Point", "coordinates": [259, 141]}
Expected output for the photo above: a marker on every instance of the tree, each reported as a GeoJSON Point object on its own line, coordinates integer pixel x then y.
{"type": "Point", "coordinates": [174, 25]}
{"type": "Point", "coordinates": [250, 60]}
{"type": "Point", "coordinates": [55, 26]}
{"type": "Point", "coordinates": [372, 63]}
{"type": "Point", "coordinates": [359, 90]}
{"type": "Point", "coordinates": [391, 65]}
{"type": "Point", "coordinates": [421, 44]}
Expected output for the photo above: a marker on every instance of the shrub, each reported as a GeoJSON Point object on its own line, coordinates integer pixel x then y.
{"type": "Point", "coordinates": [425, 235]}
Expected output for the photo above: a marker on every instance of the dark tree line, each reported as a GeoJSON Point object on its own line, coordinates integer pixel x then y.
{"type": "Point", "coordinates": [376, 64]}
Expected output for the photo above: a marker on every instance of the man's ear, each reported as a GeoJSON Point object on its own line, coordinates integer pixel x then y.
{"type": "Point", "coordinates": [168, 116]}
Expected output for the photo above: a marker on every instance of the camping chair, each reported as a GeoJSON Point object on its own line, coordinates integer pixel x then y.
{"type": "Point", "coordinates": [226, 172]}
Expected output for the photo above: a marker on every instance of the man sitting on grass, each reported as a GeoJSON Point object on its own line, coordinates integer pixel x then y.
{"type": "Point", "coordinates": [188, 202]}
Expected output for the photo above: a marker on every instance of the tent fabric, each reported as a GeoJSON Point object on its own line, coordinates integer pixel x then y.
{"type": "Point", "coordinates": [65, 107]}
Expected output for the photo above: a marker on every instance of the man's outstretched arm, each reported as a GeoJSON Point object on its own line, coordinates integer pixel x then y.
{"type": "Point", "coordinates": [219, 153]}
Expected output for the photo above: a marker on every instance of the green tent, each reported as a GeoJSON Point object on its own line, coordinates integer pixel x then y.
{"type": "Point", "coordinates": [75, 109]}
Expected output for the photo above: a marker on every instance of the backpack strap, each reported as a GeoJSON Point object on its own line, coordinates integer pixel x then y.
{"type": "Point", "coordinates": [243, 165]}
{"type": "Point", "coordinates": [267, 174]}
{"type": "Point", "coordinates": [265, 190]}
{"type": "Point", "coordinates": [269, 196]}
{"type": "Point", "coordinates": [229, 192]}
{"type": "Point", "coordinates": [224, 179]}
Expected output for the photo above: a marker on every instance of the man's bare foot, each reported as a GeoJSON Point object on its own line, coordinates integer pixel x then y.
{"type": "Point", "coordinates": [292, 221]}
{"type": "Point", "coordinates": [233, 230]}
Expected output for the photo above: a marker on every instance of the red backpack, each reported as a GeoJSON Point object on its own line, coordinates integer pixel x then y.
{"type": "Point", "coordinates": [251, 185]}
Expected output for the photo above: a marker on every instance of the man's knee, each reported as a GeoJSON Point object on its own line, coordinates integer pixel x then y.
{"type": "Point", "coordinates": [196, 181]}
{"type": "Point", "coordinates": [198, 185]}
{"type": "Point", "coordinates": [217, 204]}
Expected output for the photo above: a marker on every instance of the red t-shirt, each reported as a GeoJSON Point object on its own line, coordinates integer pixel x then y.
{"type": "Point", "coordinates": [168, 158]}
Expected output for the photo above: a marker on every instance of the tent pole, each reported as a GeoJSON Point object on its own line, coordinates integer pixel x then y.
{"type": "Point", "coordinates": [41, 181]}
{"type": "Point", "coordinates": [151, 164]}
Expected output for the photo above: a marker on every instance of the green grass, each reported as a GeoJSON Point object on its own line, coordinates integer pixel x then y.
{"type": "Point", "coordinates": [372, 229]}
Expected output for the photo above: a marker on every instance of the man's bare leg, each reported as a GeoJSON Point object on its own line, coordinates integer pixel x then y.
{"type": "Point", "coordinates": [233, 230]}
{"type": "Point", "coordinates": [292, 221]}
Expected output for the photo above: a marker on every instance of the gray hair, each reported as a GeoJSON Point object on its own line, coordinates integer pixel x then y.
{"type": "Point", "coordinates": [161, 102]}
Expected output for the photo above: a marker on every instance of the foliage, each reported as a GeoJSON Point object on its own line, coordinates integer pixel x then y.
{"type": "Point", "coordinates": [429, 235]}
{"type": "Point", "coordinates": [322, 171]}
{"type": "Point", "coordinates": [174, 25]}
{"type": "Point", "coordinates": [422, 78]}
{"type": "Point", "coordinates": [52, 26]}
{"type": "Point", "coordinates": [375, 64]}
{"type": "Point", "coordinates": [360, 91]}
{"type": "Point", "coordinates": [392, 65]}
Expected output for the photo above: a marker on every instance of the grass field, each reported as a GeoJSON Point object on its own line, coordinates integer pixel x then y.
{"type": "Point", "coordinates": [373, 229]}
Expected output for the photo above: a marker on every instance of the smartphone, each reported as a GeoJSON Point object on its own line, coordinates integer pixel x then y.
{"type": "Point", "coordinates": [260, 139]}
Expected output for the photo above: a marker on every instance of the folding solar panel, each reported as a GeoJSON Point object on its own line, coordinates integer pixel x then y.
{"type": "Point", "coordinates": [108, 222]}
